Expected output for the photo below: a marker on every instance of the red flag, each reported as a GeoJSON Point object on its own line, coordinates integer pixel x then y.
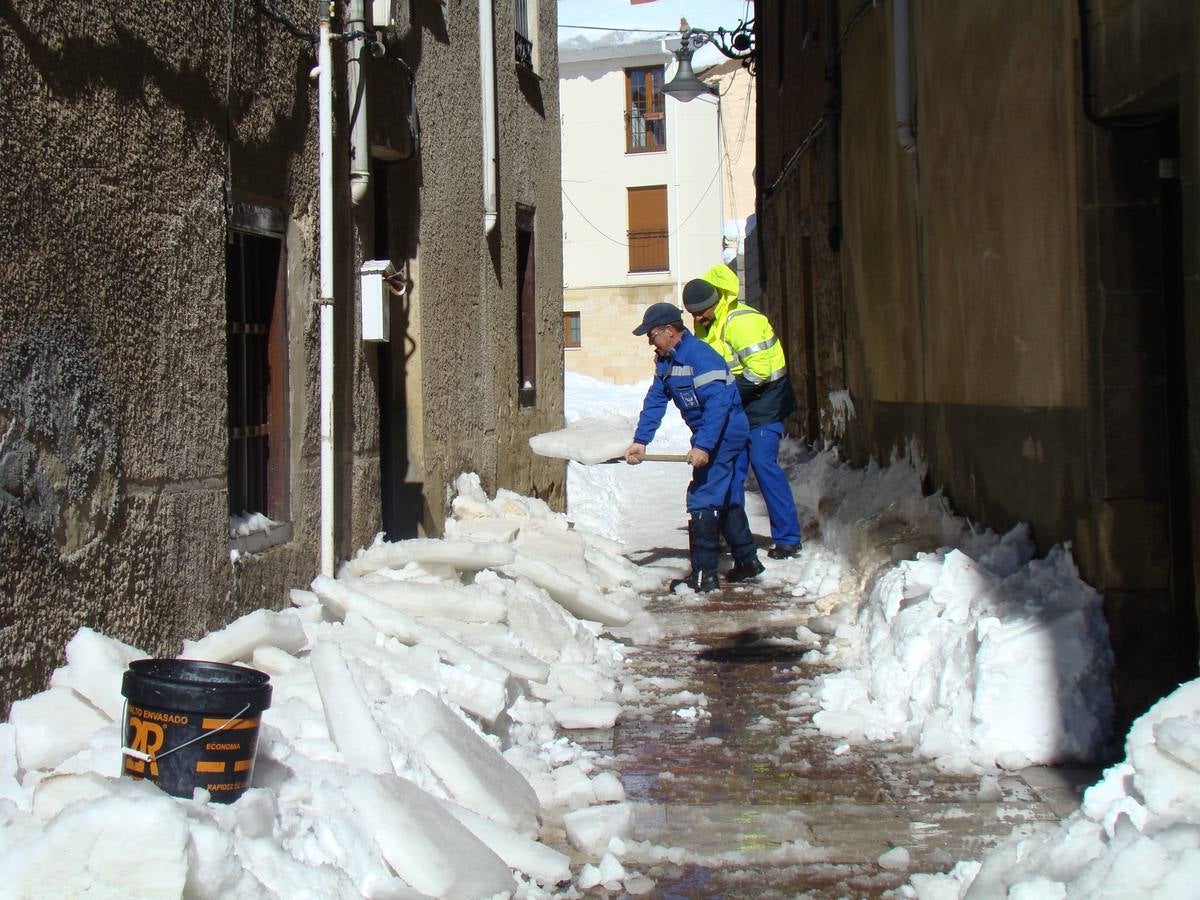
{"type": "Point", "coordinates": [636, 2]}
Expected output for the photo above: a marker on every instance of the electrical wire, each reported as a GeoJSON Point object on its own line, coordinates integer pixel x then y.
{"type": "Point", "coordinates": [669, 234]}
{"type": "Point", "coordinates": [270, 9]}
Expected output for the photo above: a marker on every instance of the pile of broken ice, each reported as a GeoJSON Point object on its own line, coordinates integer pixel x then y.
{"type": "Point", "coordinates": [411, 748]}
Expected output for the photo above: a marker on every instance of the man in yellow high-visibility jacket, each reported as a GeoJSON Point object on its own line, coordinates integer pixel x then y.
{"type": "Point", "coordinates": [745, 338]}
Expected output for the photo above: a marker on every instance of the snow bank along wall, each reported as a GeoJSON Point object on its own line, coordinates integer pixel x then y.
{"type": "Point", "coordinates": [1015, 293]}
{"type": "Point", "coordinates": [126, 131]}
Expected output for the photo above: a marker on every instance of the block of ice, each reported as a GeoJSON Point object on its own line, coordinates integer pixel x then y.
{"type": "Point", "coordinates": [600, 714]}
{"type": "Point", "coordinates": [118, 846]}
{"type": "Point", "coordinates": [95, 666]}
{"type": "Point", "coordinates": [474, 528]}
{"type": "Point", "coordinates": [591, 829]}
{"type": "Point", "coordinates": [576, 598]}
{"type": "Point", "coordinates": [895, 860]}
{"type": "Point", "coordinates": [445, 600]}
{"type": "Point", "coordinates": [238, 640]}
{"type": "Point", "coordinates": [473, 772]}
{"type": "Point", "coordinates": [402, 626]}
{"type": "Point", "coordinates": [465, 556]}
{"type": "Point", "coordinates": [541, 863]}
{"type": "Point", "coordinates": [347, 715]}
{"type": "Point", "coordinates": [589, 440]}
{"type": "Point", "coordinates": [54, 794]}
{"type": "Point", "coordinates": [52, 726]}
{"type": "Point", "coordinates": [424, 844]}
{"type": "Point", "coordinates": [608, 788]}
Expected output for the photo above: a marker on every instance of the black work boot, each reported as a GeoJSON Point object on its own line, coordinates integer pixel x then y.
{"type": "Point", "coordinates": [744, 570]}
{"type": "Point", "coordinates": [703, 537]}
{"type": "Point", "coordinates": [784, 551]}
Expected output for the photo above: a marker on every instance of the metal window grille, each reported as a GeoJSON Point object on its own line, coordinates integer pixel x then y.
{"type": "Point", "coordinates": [252, 266]}
{"type": "Point", "coordinates": [523, 43]}
{"type": "Point", "coordinates": [645, 110]}
{"type": "Point", "coordinates": [648, 251]}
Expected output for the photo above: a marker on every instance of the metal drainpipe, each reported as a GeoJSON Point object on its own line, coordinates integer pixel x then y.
{"type": "Point", "coordinates": [325, 164]}
{"type": "Point", "coordinates": [356, 90]}
{"type": "Point", "coordinates": [902, 79]}
{"type": "Point", "coordinates": [487, 91]}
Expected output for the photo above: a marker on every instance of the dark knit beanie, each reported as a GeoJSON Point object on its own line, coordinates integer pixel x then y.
{"type": "Point", "coordinates": [698, 295]}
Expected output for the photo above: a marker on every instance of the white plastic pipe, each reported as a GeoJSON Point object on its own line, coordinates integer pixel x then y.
{"type": "Point", "coordinates": [678, 222]}
{"type": "Point", "coordinates": [901, 78]}
{"type": "Point", "coordinates": [356, 90]}
{"type": "Point", "coordinates": [487, 91]}
{"type": "Point", "coordinates": [325, 164]}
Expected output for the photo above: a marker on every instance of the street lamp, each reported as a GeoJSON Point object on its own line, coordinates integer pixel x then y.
{"type": "Point", "coordinates": [735, 43]}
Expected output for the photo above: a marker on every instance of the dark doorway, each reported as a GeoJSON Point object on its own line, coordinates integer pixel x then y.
{"type": "Point", "coordinates": [401, 499]}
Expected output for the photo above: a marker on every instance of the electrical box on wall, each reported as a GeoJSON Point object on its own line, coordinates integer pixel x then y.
{"type": "Point", "coordinates": [376, 299]}
{"type": "Point", "coordinates": [381, 13]}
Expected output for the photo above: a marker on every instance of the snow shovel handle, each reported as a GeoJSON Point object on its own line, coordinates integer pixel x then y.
{"type": "Point", "coordinates": [654, 457]}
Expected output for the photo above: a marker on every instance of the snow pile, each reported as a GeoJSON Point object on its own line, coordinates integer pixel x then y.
{"type": "Point", "coordinates": [946, 625]}
{"type": "Point", "coordinates": [1136, 835]}
{"type": "Point", "coordinates": [412, 746]}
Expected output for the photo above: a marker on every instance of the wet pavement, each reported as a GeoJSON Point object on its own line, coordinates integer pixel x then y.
{"type": "Point", "coordinates": [736, 793]}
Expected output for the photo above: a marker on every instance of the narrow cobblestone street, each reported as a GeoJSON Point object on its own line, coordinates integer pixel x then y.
{"type": "Point", "coordinates": [736, 793]}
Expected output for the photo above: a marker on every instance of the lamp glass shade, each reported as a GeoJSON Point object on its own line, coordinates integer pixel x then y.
{"type": "Point", "coordinates": [685, 85]}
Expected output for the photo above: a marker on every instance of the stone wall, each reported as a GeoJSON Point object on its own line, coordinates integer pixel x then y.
{"type": "Point", "coordinates": [132, 127]}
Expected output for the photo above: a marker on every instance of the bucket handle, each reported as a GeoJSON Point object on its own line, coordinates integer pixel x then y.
{"type": "Point", "coordinates": [151, 757]}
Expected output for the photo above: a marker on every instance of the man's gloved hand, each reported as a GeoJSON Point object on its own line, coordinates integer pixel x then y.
{"type": "Point", "coordinates": [634, 453]}
{"type": "Point", "coordinates": [697, 458]}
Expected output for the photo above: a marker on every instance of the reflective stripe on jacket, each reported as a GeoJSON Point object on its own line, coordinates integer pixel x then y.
{"type": "Point", "coordinates": [755, 356]}
{"type": "Point", "coordinates": [696, 379]}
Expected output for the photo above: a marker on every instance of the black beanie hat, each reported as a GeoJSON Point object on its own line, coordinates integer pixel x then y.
{"type": "Point", "coordinates": [698, 295]}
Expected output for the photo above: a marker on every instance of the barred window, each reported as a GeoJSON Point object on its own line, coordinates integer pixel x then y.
{"type": "Point", "coordinates": [256, 348]}
{"type": "Point", "coordinates": [645, 110]}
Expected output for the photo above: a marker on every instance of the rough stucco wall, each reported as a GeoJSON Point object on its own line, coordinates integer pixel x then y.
{"type": "Point", "coordinates": [467, 290]}
{"type": "Point", "coordinates": [999, 204]}
{"type": "Point", "coordinates": [112, 363]}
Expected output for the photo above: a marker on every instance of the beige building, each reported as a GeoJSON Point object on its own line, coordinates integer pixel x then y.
{"type": "Point", "coordinates": [642, 198]}
{"type": "Point", "coordinates": [160, 331]}
{"type": "Point", "coordinates": [738, 126]}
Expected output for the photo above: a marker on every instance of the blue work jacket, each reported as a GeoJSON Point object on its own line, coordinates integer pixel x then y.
{"type": "Point", "coordinates": [695, 377]}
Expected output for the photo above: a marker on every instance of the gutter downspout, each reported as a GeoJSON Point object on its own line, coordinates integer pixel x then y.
{"type": "Point", "coordinates": [678, 221]}
{"type": "Point", "coordinates": [902, 78]}
{"type": "Point", "coordinates": [487, 91]}
{"type": "Point", "coordinates": [356, 91]}
{"type": "Point", "coordinates": [325, 152]}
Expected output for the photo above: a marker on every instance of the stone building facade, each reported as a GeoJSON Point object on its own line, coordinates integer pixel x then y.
{"type": "Point", "coordinates": [980, 221]}
{"type": "Point", "coordinates": [159, 330]}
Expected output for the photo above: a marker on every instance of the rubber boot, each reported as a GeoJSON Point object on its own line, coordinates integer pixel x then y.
{"type": "Point", "coordinates": [736, 528]}
{"type": "Point", "coordinates": [704, 529]}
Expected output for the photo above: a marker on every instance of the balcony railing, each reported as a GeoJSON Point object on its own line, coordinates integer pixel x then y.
{"type": "Point", "coordinates": [648, 251]}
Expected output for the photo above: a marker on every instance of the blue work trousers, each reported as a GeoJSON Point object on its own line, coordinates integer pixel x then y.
{"type": "Point", "coordinates": [773, 482]}
{"type": "Point", "coordinates": [722, 482]}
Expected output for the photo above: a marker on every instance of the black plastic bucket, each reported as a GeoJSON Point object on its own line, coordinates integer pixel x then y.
{"type": "Point", "coordinates": [193, 724]}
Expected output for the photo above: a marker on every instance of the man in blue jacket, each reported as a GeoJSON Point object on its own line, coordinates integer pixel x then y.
{"type": "Point", "coordinates": [696, 379]}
